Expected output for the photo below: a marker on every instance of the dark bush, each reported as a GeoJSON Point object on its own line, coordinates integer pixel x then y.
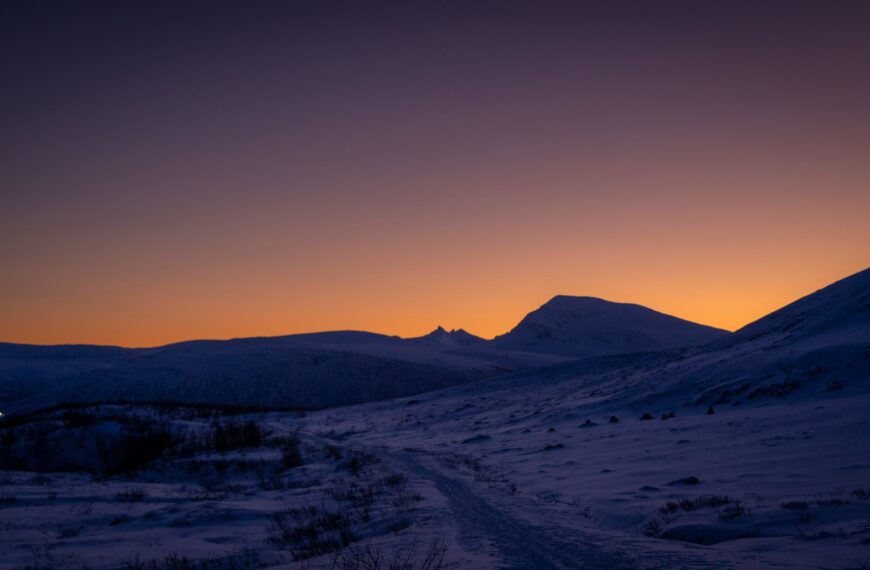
{"type": "Point", "coordinates": [291, 453]}
{"type": "Point", "coordinates": [132, 495]}
{"type": "Point", "coordinates": [229, 435]}
{"type": "Point", "coordinates": [137, 445]}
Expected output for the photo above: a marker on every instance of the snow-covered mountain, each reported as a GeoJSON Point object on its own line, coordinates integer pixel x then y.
{"type": "Point", "coordinates": [817, 347]}
{"type": "Point", "coordinates": [299, 371]}
{"type": "Point", "coordinates": [587, 326]}
{"type": "Point", "coordinates": [818, 344]}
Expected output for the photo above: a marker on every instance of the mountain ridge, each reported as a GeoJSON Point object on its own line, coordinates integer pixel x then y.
{"type": "Point", "coordinates": [821, 337]}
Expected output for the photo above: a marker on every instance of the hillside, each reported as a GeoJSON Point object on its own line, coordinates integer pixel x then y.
{"type": "Point", "coordinates": [300, 371]}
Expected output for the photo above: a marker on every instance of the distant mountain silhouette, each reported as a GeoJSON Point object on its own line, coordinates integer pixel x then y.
{"type": "Point", "coordinates": [456, 338]}
{"type": "Point", "coordinates": [588, 326]}
{"type": "Point", "coordinates": [822, 340]}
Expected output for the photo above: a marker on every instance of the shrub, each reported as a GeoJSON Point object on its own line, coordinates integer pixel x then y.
{"type": "Point", "coordinates": [370, 557]}
{"type": "Point", "coordinates": [138, 445]}
{"type": "Point", "coordinates": [230, 435]}
{"type": "Point", "coordinates": [333, 451]}
{"type": "Point", "coordinates": [395, 480]}
{"type": "Point", "coordinates": [359, 461]}
{"type": "Point", "coordinates": [704, 501]}
{"type": "Point", "coordinates": [136, 495]}
{"type": "Point", "coordinates": [309, 532]}
{"type": "Point", "coordinates": [291, 453]}
{"type": "Point", "coordinates": [733, 511]}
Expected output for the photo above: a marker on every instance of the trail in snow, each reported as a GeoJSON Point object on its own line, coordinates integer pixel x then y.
{"type": "Point", "coordinates": [525, 546]}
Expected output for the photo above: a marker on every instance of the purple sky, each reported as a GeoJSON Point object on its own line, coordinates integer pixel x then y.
{"type": "Point", "coordinates": [177, 170]}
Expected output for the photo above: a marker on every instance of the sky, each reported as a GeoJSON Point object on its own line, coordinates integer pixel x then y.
{"type": "Point", "coordinates": [214, 170]}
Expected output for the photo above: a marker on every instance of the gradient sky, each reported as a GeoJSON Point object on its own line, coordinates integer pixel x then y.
{"type": "Point", "coordinates": [181, 170]}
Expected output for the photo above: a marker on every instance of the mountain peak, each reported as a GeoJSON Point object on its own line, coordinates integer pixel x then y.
{"type": "Point", "coordinates": [453, 338]}
{"type": "Point", "coordinates": [578, 301]}
{"type": "Point", "coordinates": [589, 326]}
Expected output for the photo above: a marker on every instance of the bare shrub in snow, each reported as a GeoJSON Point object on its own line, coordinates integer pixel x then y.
{"type": "Point", "coordinates": [369, 557]}
{"type": "Point", "coordinates": [291, 452]}
{"type": "Point", "coordinates": [135, 495]}
{"type": "Point", "coordinates": [310, 531]}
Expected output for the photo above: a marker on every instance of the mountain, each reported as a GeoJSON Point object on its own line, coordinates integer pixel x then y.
{"type": "Point", "coordinates": [840, 311]}
{"type": "Point", "coordinates": [455, 339]}
{"type": "Point", "coordinates": [755, 444]}
{"type": "Point", "coordinates": [745, 452]}
{"type": "Point", "coordinates": [819, 344]}
{"type": "Point", "coordinates": [587, 326]}
{"type": "Point", "coordinates": [815, 348]}
{"type": "Point", "coordinates": [298, 371]}
{"type": "Point", "coordinates": [329, 369]}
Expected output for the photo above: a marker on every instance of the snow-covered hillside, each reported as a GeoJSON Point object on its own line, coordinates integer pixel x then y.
{"type": "Point", "coordinates": [326, 369]}
{"type": "Point", "coordinates": [747, 453]}
{"type": "Point", "coordinates": [301, 371]}
{"type": "Point", "coordinates": [586, 326]}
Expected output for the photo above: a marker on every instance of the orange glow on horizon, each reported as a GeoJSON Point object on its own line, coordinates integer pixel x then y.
{"type": "Point", "coordinates": [297, 167]}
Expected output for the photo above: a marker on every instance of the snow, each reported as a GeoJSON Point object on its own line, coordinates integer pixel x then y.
{"type": "Point", "coordinates": [512, 469]}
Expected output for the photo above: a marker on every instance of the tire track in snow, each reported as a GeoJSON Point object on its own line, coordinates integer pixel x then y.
{"type": "Point", "coordinates": [522, 545]}
{"type": "Point", "coordinates": [525, 546]}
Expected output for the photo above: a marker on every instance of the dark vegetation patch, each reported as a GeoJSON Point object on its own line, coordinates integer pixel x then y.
{"type": "Point", "coordinates": [727, 508]}
{"type": "Point", "coordinates": [178, 409]}
{"type": "Point", "coordinates": [134, 495]}
{"type": "Point", "coordinates": [702, 502]}
{"type": "Point", "coordinates": [368, 499]}
{"type": "Point", "coordinates": [245, 559]}
{"type": "Point", "coordinates": [369, 557]}
{"type": "Point", "coordinates": [112, 440]}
